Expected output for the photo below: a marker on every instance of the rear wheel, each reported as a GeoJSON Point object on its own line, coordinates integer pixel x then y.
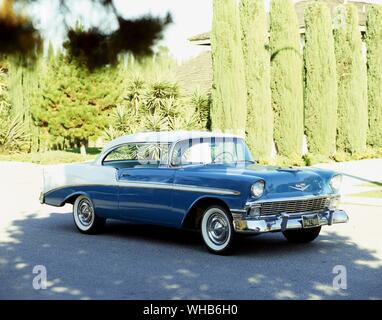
{"type": "Point", "coordinates": [302, 235]}
{"type": "Point", "coordinates": [217, 230]}
{"type": "Point", "coordinates": [85, 218]}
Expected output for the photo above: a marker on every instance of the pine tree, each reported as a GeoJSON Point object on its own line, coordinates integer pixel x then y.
{"type": "Point", "coordinates": [286, 78]}
{"type": "Point", "coordinates": [320, 81]}
{"type": "Point", "coordinates": [75, 103]}
{"type": "Point", "coordinates": [352, 82]}
{"type": "Point", "coordinates": [374, 74]}
{"type": "Point", "coordinates": [257, 66]}
{"type": "Point", "coordinates": [229, 95]}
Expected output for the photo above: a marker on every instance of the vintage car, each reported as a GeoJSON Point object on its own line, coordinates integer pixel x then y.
{"type": "Point", "coordinates": [200, 180]}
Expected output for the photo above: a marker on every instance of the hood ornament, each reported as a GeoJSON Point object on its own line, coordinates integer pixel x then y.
{"type": "Point", "coordinates": [300, 186]}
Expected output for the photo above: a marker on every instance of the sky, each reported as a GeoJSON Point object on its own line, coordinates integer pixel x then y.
{"type": "Point", "coordinates": [190, 17]}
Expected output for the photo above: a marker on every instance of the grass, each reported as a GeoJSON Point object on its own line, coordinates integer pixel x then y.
{"type": "Point", "coordinates": [368, 194]}
{"type": "Point", "coordinates": [52, 157]}
{"type": "Point", "coordinates": [371, 184]}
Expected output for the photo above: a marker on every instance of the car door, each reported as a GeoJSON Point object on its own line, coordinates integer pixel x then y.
{"type": "Point", "coordinates": [146, 186]}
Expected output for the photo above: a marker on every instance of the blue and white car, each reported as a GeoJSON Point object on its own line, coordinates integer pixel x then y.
{"type": "Point", "coordinates": [199, 180]}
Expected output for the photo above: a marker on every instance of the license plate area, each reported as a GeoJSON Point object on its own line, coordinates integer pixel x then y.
{"type": "Point", "coordinates": [310, 220]}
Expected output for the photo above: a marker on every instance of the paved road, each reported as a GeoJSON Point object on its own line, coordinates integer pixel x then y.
{"type": "Point", "coordinates": [140, 262]}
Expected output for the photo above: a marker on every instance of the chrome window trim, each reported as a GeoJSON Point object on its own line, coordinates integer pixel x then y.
{"type": "Point", "coordinates": [108, 151]}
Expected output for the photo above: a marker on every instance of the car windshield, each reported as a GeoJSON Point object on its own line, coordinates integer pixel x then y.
{"type": "Point", "coordinates": [210, 151]}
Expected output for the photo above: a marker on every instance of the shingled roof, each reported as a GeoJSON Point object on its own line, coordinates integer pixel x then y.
{"type": "Point", "coordinates": [196, 74]}
{"type": "Point", "coordinates": [204, 38]}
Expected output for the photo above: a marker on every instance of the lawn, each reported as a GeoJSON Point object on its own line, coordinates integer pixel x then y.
{"type": "Point", "coordinates": [52, 157]}
{"type": "Point", "coordinates": [368, 194]}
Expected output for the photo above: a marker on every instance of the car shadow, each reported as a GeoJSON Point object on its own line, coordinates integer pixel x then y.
{"type": "Point", "coordinates": [135, 261]}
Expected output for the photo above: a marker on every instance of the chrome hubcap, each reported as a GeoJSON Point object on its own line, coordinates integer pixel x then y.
{"type": "Point", "coordinates": [85, 212]}
{"type": "Point", "coordinates": [217, 226]}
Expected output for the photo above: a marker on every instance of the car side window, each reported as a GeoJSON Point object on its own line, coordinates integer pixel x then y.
{"type": "Point", "coordinates": [136, 155]}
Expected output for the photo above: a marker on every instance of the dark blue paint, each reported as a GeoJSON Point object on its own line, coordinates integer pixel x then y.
{"type": "Point", "coordinates": [169, 207]}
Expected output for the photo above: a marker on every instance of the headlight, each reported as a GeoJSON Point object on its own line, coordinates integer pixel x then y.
{"type": "Point", "coordinates": [335, 183]}
{"type": "Point", "coordinates": [257, 188]}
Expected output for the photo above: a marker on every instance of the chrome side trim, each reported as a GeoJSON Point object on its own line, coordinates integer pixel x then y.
{"type": "Point", "coordinates": [156, 185]}
{"type": "Point", "coordinates": [177, 187]}
{"type": "Point", "coordinates": [80, 185]}
{"type": "Point", "coordinates": [238, 211]}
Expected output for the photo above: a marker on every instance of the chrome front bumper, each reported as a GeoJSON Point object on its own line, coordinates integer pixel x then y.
{"type": "Point", "coordinates": [284, 222]}
{"type": "Point", "coordinates": [41, 198]}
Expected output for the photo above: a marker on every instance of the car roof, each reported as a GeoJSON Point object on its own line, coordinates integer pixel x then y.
{"type": "Point", "coordinates": [163, 137]}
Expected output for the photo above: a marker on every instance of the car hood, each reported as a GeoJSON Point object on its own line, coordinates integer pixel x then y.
{"type": "Point", "coordinates": [286, 182]}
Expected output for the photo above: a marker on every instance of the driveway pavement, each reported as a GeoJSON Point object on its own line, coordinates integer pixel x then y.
{"type": "Point", "coordinates": [140, 262]}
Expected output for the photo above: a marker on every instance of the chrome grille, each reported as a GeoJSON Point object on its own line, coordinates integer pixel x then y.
{"type": "Point", "coordinates": [294, 206]}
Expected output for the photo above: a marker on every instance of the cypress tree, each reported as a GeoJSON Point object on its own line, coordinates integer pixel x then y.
{"type": "Point", "coordinates": [352, 82]}
{"type": "Point", "coordinates": [286, 78]}
{"type": "Point", "coordinates": [259, 108]}
{"type": "Point", "coordinates": [229, 95]}
{"type": "Point", "coordinates": [320, 81]}
{"type": "Point", "coordinates": [374, 74]}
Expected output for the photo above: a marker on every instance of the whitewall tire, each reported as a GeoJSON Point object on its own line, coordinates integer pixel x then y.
{"type": "Point", "coordinates": [217, 230]}
{"type": "Point", "coordinates": [84, 216]}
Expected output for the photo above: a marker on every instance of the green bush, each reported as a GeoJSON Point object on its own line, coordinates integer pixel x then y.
{"type": "Point", "coordinates": [320, 96]}
{"type": "Point", "coordinates": [259, 108]}
{"type": "Point", "coordinates": [286, 78]}
{"type": "Point", "coordinates": [229, 94]}
{"type": "Point", "coordinates": [352, 82]}
{"type": "Point", "coordinates": [374, 74]}
{"type": "Point", "coordinates": [47, 157]}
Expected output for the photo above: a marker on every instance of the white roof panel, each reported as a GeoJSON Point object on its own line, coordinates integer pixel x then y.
{"type": "Point", "coordinates": [163, 137]}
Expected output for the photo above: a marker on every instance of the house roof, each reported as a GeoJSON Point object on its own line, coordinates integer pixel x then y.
{"type": "Point", "coordinates": [204, 38]}
{"type": "Point", "coordinates": [196, 73]}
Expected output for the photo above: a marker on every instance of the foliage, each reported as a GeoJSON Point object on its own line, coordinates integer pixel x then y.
{"type": "Point", "coordinates": [259, 108]}
{"type": "Point", "coordinates": [368, 153]}
{"type": "Point", "coordinates": [18, 35]}
{"type": "Point", "coordinates": [320, 81]}
{"type": "Point", "coordinates": [202, 105]}
{"type": "Point", "coordinates": [158, 93]}
{"type": "Point", "coordinates": [229, 94]}
{"type": "Point", "coordinates": [48, 157]}
{"type": "Point", "coordinates": [72, 103]}
{"type": "Point", "coordinates": [13, 136]}
{"type": "Point", "coordinates": [374, 74]}
{"type": "Point", "coordinates": [161, 107]}
{"type": "Point", "coordinates": [286, 78]}
{"type": "Point", "coordinates": [352, 82]}
{"type": "Point", "coordinates": [96, 46]}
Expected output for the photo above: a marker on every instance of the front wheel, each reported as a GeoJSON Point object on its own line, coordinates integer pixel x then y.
{"type": "Point", "coordinates": [217, 230]}
{"type": "Point", "coordinates": [302, 235]}
{"type": "Point", "coordinates": [85, 218]}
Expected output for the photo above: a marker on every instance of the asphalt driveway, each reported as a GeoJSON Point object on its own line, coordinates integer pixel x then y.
{"type": "Point", "coordinates": [141, 262]}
